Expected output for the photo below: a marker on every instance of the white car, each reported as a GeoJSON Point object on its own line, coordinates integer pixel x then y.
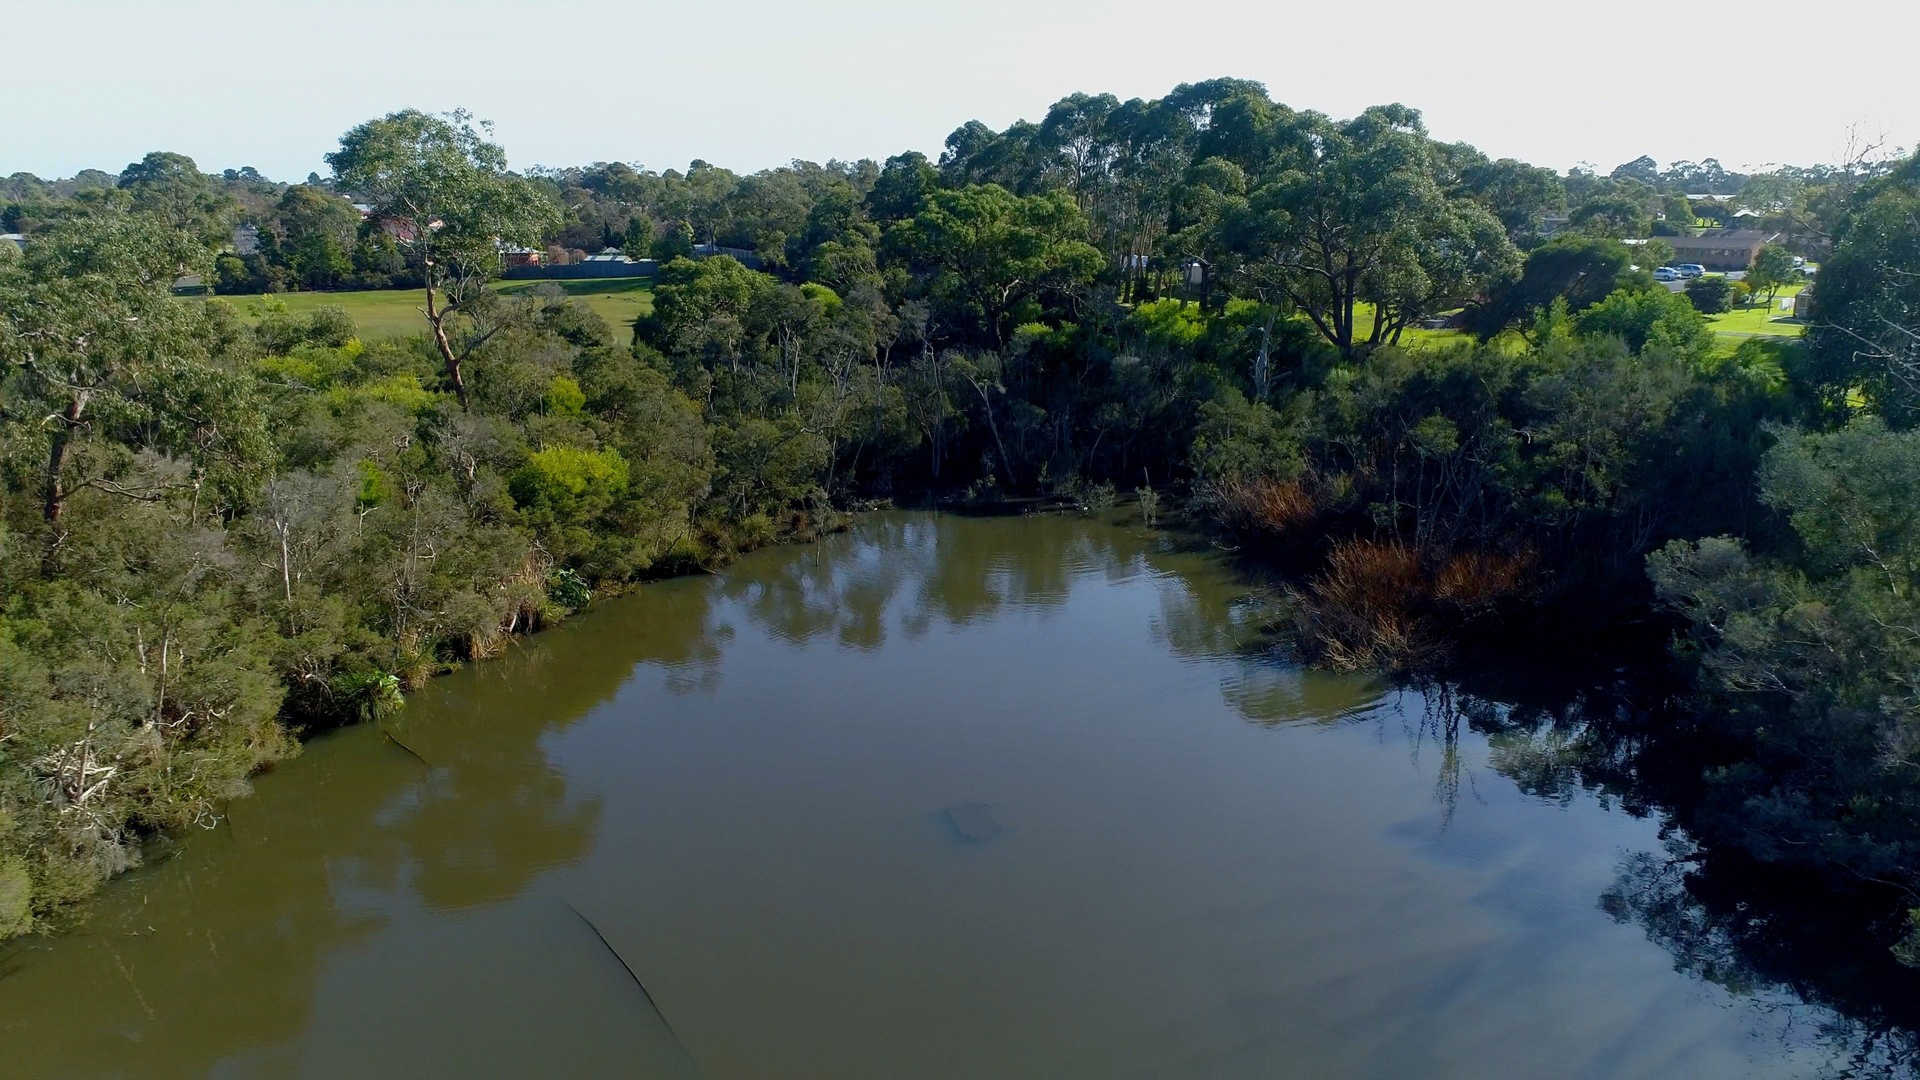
{"type": "Point", "coordinates": [1665, 273]}
{"type": "Point", "coordinates": [1691, 270]}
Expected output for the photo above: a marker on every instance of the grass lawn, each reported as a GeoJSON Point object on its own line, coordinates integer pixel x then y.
{"type": "Point", "coordinates": [617, 300]}
{"type": "Point", "coordinates": [1730, 329]}
{"type": "Point", "coordinates": [389, 313]}
{"type": "Point", "coordinates": [1760, 320]}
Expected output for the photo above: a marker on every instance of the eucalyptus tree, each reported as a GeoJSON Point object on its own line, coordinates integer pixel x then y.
{"type": "Point", "coordinates": [443, 192]}
{"type": "Point", "coordinates": [1338, 215]}
{"type": "Point", "coordinates": [1015, 159]}
{"type": "Point", "coordinates": [314, 230]}
{"type": "Point", "coordinates": [1624, 210]}
{"type": "Point", "coordinates": [1772, 267]}
{"type": "Point", "coordinates": [1076, 134]}
{"type": "Point", "coordinates": [902, 187]}
{"type": "Point", "coordinates": [1574, 269]}
{"type": "Point", "coordinates": [1513, 191]}
{"type": "Point", "coordinates": [1866, 331]}
{"type": "Point", "coordinates": [171, 187]}
{"type": "Point", "coordinates": [982, 251]}
{"type": "Point", "coordinates": [1128, 178]}
{"type": "Point", "coordinates": [111, 383]}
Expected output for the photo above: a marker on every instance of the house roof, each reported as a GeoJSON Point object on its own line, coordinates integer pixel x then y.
{"type": "Point", "coordinates": [1717, 239]}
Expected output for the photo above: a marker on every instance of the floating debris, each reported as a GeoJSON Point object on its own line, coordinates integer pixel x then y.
{"type": "Point", "coordinates": [408, 749]}
{"type": "Point", "coordinates": [635, 976]}
{"type": "Point", "coordinates": [970, 822]}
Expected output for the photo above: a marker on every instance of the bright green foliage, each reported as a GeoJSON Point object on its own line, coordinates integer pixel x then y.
{"type": "Point", "coordinates": [1169, 322]}
{"type": "Point", "coordinates": [400, 390]}
{"type": "Point", "coordinates": [1650, 319]}
{"type": "Point", "coordinates": [1772, 267]}
{"type": "Point", "coordinates": [564, 396]}
{"type": "Point", "coordinates": [570, 481]}
{"type": "Point", "coordinates": [1238, 440]}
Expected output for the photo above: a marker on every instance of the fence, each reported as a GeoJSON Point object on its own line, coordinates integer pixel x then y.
{"type": "Point", "coordinates": [582, 270]}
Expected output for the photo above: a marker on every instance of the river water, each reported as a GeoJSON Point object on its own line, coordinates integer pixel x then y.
{"type": "Point", "coordinates": [941, 796]}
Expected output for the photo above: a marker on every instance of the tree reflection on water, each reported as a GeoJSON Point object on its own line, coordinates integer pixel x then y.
{"type": "Point", "coordinates": [1786, 948]}
{"type": "Point", "coordinates": [1812, 958]}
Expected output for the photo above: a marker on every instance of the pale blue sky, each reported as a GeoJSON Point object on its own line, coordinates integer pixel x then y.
{"type": "Point", "coordinates": [748, 84]}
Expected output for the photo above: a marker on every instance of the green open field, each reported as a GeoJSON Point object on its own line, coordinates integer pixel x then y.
{"type": "Point", "coordinates": [1731, 328]}
{"type": "Point", "coordinates": [1760, 320]}
{"type": "Point", "coordinates": [391, 313]}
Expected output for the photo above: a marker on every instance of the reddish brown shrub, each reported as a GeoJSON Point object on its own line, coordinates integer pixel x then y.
{"type": "Point", "coordinates": [1380, 604]}
{"type": "Point", "coordinates": [1474, 582]}
{"type": "Point", "coordinates": [1265, 506]}
{"type": "Point", "coordinates": [1365, 607]}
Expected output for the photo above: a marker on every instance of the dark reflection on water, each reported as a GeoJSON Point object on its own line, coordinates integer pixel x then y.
{"type": "Point", "coordinates": [948, 797]}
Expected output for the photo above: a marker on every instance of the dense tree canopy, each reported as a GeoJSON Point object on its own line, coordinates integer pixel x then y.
{"type": "Point", "coordinates": [1866, 333]}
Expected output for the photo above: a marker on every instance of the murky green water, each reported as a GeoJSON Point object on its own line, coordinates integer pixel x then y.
{"type": "Point", "coordinates": [940, 797]}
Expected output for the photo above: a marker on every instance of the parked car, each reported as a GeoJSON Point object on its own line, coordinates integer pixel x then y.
{"type": "Point", "coordinates": [1690, 270]}
{"type": "Point", "coordinates": [1665, 273]}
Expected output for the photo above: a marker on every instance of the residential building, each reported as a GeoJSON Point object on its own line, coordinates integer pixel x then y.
{"type": "Point", "coordinates": [1720, 249]}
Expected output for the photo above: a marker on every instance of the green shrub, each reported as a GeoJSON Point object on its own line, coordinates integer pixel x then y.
{"type": "Point", "coordinates": [1712, 295]}
{"type": "Point", "coordinates": [568, 589]}
{"type": "Point", "coordinates": [564, 396]}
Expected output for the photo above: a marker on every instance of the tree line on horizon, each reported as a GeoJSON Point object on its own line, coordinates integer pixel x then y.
{"type": "Point", "coordinates": [220, 535]}
{"type": "Point", "coordinates": [1126, 164]}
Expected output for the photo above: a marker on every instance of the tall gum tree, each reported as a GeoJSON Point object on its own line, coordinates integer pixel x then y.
{"type": "Point", "coordinates": [111, 384]}
{"type": "Point", "coordinates": [443, 192]}
{"type": "Point", "coordinates": [1343, 214]}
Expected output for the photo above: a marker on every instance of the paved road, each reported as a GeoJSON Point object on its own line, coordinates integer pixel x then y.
{"type": "Point", "coordinates": [1681, 285]}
